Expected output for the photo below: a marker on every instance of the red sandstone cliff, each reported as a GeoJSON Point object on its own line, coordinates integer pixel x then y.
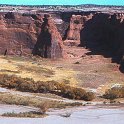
{"type": "Point", "coordinates": [18, 34]}
{"type": "Point", "coordinates": [77, 22]}
{"type": "Point", "coordinates": [49, 43]}
{"type": "Point", "coordinates": [100, 32]}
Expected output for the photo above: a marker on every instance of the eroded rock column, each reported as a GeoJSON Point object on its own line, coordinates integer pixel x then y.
{"type": "Point", "coordinates": [49, 43]}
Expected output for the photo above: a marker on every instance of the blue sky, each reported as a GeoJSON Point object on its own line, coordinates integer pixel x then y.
{"type": "Point", "coordinates": [63, 2]}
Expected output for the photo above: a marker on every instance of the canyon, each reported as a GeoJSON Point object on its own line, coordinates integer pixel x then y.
{"type": "Point", "coordinates": [57, 57]}
{"type": "Point", "coordinates": [52, 34]}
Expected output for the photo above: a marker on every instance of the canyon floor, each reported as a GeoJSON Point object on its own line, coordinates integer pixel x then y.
{"type": "Point", "coordinates": [91, 72]}
{"type": "Point", "coordinates": [87, 115]}
{"type": "Point", "coordinates": [78, 45]}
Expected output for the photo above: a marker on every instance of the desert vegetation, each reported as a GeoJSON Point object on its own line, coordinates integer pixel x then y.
{"type": "Point", "coordinates": [114, 93]}
{"type": "Point", "coordinates": [42, 104]}
{"type": "Point", "coordinates": [31, 114]}
{"type": "Point", "coordinates": [29, 85]}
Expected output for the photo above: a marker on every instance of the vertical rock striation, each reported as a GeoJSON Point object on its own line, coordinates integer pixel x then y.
{"type": "Point", "coordinates": [77, 22]}
{"type": "Point", "coordinates": [49, 43]}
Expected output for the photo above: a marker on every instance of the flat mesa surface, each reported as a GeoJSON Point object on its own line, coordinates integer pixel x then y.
{"type": "Point", "coordinates": [89, 115]}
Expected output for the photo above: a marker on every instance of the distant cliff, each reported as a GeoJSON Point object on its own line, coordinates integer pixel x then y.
{"type": "Point", "coordinates": [49, 43]}
{"type": "Point", "coordinates": [43, 34]}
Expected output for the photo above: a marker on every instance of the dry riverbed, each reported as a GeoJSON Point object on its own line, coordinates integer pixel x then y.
{"type": "Point", "coordinates": [97, 78]}
{"type": "Point", "coordinates": [80, 115]}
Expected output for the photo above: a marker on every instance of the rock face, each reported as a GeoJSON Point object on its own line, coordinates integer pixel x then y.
{"type": "Point", "coordinates": [75, 27]}
{"type": "Point", "coordinates": [18, 34]}
{"type": "Point", "coordinates": [22, 34]}
{"type": "Point", "coordinates": [77, 22]}
{"type": "Point", "coordinates": [10, 15]}
{"type": "Point", "coordinates": [122, 64]}
{"type": "Point", "coordinates": [15, 41]}
{"type": "Point", "coordinates": [103, 34]}
{"type": "Point", "coordinates": [2, 23]}
{"type": "Point", "coordinates": [49, 43]}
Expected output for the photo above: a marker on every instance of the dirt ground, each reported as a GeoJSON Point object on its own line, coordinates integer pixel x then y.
{"type": "Point", "coordinates": [92, 72]}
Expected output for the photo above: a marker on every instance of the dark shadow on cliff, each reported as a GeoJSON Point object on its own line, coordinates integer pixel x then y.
{"type": "Point", "coordinates": [49, 42]}
{"type": "Point", "coordinates": [122, 65]}
{"type": "Point", "coordinates": [66, 16]}
{"type": "Point", "coordinates": [43, 42]}
{"type": "Point", "coordinates": [102, 35]}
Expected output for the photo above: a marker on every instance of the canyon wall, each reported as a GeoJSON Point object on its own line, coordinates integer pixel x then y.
{"type": "Point", "coordinates": [49, 43]}
{"type": "Point", "coordinates": [77, 23]}
{"type": "Point", "coordinates": [44, 35]}
{"type": "Point", "coordinates": [102, 33]}
{"type": "Point", "coordinates": [18, 34]}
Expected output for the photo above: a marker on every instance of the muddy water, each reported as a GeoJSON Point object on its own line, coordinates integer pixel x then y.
{"type": "Point", "coordinates": [82, 115]}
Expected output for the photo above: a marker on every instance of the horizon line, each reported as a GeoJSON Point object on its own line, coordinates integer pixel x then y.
{"type": "Point", "coordinates": [59, 4]}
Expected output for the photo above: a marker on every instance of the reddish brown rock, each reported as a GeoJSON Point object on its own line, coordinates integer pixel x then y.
{"type": "Point", "coordinates": [2, 23]}
{"type": "Point", "coordinates": [15, 41]}
{"type": "Point", "coordinates": [100, 32]}
{"type": "Point", "coordinates": [103, 34]}
{"type": "Point", "coordinates": [76, 24]}
{"type": "Point", "coordinates": [17, 37]}
{"type": "Point", "coordinates": [10, 15]}
{"type": "Point", "coordinates": [49, 43]}
{"type": "Point", "coordinates": [75, 27]}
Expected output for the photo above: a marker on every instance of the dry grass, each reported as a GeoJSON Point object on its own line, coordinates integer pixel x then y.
{"type": "Point", "coordinates": [26, 84]}
{"type": "Point", "coordinates": [25, 114]}
{"type": "Point", "coordinates": [114, 93]}
{"type": "Point", "coordinates": [93, 71]}
{"type": "Point", "coordinates": [36, 68]}
{"type": "Point", "coordinates": [42, 104]}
